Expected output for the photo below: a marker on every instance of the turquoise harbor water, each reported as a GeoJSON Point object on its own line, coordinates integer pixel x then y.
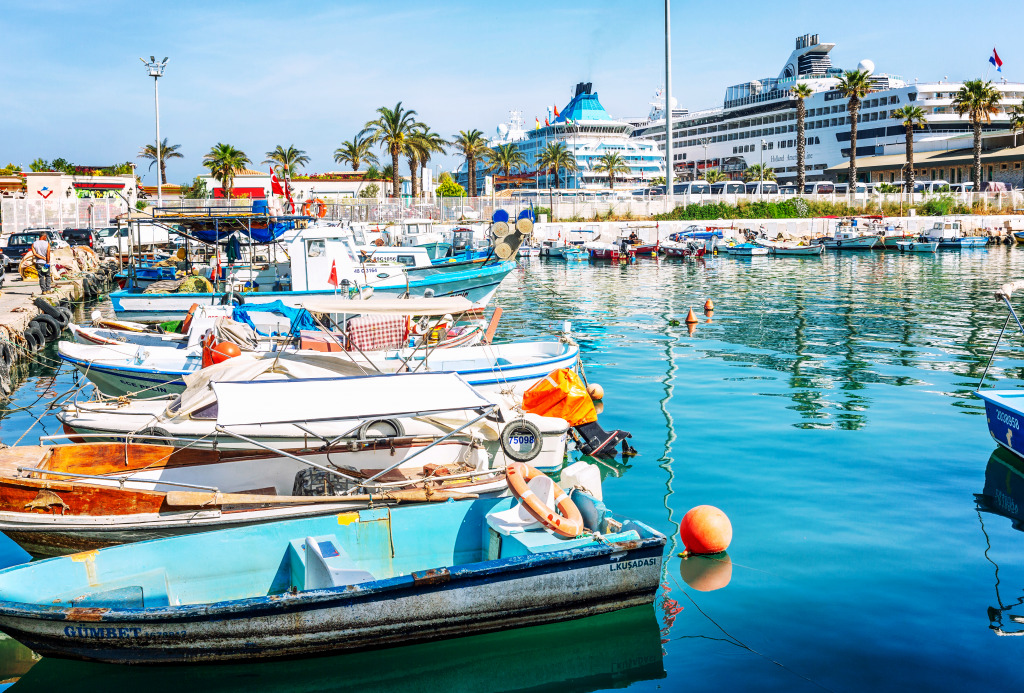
{"type": "Point", "coordinates": [825, 408]}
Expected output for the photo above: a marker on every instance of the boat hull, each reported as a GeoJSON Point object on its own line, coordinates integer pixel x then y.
{"type": "Point", "coordinates": [478, 285]}
{"type": "Point", "coordinates": [862, 243]}
{"type": "Point", "coordinates": [1004, 411]}
{"type": "Point", "coordinates": [580, 580]}
{"type": "Point", "coordinates": [913, 246]}
{"type": "Point", "coordinates": [965, 242]}
{"type": "Point", "coordinates": [800, 251]}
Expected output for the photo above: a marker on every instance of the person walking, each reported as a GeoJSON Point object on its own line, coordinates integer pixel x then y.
{"type": "Point", "coordinates": [41, 253]}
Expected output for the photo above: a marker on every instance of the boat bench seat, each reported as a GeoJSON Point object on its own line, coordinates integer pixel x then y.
{"type": "Point", "coordinates": [141, 590]}
{"type": "Point", "coordinates": [321, 562]}
{"type": "Point", "coordinates": [539, 541]}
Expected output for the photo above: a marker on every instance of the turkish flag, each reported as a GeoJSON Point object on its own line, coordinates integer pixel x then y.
{"type": "Point", "coordinates": [333, 279]}
{"type": "Point", "coordinates": [275, 184]}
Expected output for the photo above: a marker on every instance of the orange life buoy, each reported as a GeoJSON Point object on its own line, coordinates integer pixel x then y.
{"type": "Point", "coordinates": [315, 208]}
{"type": "Point", "coordinates": [569, 524]}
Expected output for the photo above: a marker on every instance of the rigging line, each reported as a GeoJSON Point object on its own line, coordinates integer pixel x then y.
{"type": "Point", "coordinates": [740, 643]}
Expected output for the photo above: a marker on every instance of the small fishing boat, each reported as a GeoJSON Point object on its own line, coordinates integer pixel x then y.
{"type": "Point", "coordinates": [574, 253]}
{"type": "Point", "coordinates": [1004, 409]}
{"type": "Point", "coordinates": [351, 580]}
{"type": "Point", "coordinates": [780, 248]}
{"type": "Point", "coordinates": [688, 248]}
{"type": "Point", "coordinates": [849, 237]}
{"type": "Point", "coordinates": [917, 245]}
{"type": "Point", "coordinates": [950, 234]}
{"type": "Point", "coordinates": [615, 252]}
{"type": "Point", "coordinates": [745, 250]}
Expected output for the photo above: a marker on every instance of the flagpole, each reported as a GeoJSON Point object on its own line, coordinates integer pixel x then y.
{"type": "Point", "coordinates": [668, 109]}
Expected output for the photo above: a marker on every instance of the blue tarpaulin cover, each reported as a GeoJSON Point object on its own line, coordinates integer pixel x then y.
{"type": "Point", "coordinates": [299, 317]}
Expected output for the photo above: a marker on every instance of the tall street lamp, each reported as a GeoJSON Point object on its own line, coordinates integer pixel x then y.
{"type": "Point", "coordinates": [760, 174]}
{"type": "Point", "coordinates": [669, 168]}
{"type": "Point", "coordinates": [156, 71]}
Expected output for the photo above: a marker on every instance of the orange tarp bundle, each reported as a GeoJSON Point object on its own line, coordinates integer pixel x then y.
{"type": "Point", "coordinates": [562, 395]}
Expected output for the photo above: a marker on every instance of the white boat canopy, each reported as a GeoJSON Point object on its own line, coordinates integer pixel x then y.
{"type": "Point", "coordinates": [390, 306]}
{"type": "Point", "coordinates": [366, 397]}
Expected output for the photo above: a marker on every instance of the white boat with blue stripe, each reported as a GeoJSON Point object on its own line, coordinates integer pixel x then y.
{"type": "Point", "coordinates": [1004, 409]}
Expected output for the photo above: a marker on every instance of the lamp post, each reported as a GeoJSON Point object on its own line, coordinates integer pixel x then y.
{"type": "Point", "coordinates": [156, 71]}
{"type": "Point", "coordinates": [760, 175]}
{"type": "Point", "coordinates": [705, 143]}
{"type": "Point", "coordinates": [668, 110]}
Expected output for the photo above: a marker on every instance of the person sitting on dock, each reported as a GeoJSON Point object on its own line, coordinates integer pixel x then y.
{"type": "Point", "coordinates": [41, 253]}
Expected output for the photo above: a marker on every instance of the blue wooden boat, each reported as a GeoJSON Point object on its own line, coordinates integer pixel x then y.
{"type": "Point", "coordinates": [356, 580]}
{"type": "Point", "coordinates": [1004, 409]}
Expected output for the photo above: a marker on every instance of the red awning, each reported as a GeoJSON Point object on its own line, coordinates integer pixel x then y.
{"type": "Point", "coordinates": [98, 186]}
{"type": "Point", "coordinates": [257, 193]}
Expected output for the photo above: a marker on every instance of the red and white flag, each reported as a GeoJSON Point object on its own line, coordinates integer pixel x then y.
{"type": "Point", "coordinates": [275, 183]}
{"type": "Point", "coordinates": [333, 279]}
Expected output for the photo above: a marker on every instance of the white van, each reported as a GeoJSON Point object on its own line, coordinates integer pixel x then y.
{"type": "Point", "coordinates": [931, 186]}
{"type": "Point", "coordinates": [110, 242]}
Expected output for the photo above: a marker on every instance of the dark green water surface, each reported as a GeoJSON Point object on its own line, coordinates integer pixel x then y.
{"type": "Point", "coordinates": [826, 408]}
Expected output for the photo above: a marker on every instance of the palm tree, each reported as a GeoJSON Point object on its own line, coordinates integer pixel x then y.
{"type": "Point", "coordinates": [1016, 121]}
{"type": "Point", "coordinates": [388, 173]}
{"type": "Point", "coordinates": [287, 161]}
{"type": "Point", "coordinates": [224, 160]}
{"type": "Point", "coordinates": [713, 175]}
{"type": "Point", "coordinates": [357, 151]}
{"type": "Point", "coordinates": [611, 163]}
{"type": "Point", "coordinates": [167, 151]}
{"type": "Point", "coordinates": [854, 85]}
{"type": "Point", "coordinates": [472, 145]}
{"type": "Point", "coordinates": [978, 100]}
{"type": "Point", "coordinates": [556, 157]}
{"type": "Point", "coordinates": [392, 130]}
{"type": "Point", "coordinates": [912, 116]}
{"type": "Point", "coordinates": [418, 150]}
{"type": "Point", "coordinates": [505, 158]}
{"type": "Point", "coordinates": [801, 91]}
{"type": "Point", "coordinates": [757, 172]}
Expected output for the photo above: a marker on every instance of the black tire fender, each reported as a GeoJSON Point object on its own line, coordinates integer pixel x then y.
{"type": "Point", "coordinates": [516, 432]}
{"type": "Point", "coordinates": [232, 297]}
{"type": "Point", "coordinates": [6, 353]}
{"type": "Point", "coordinates": [33, 339]}
{"type": "Point", "coordinates": [51, 310]}
{"type": "Point", "coordinates": [48, 326]}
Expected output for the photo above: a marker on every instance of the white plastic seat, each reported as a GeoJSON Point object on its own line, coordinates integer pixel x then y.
{"type": "Point", "coordinates": [518, 518]}
{"type": "Point", "coordinates": [334, 570]}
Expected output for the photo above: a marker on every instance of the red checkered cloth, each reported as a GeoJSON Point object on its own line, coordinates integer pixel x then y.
{"type": "Point", "coordinates": [376, 332]}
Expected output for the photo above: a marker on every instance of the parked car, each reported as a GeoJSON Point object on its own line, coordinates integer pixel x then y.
{"type": "Point", "coordinates": [789, 189]}
{"type": "Point", "coordinates": [19, 243]}
{"type": "Point", "coordinates": [651, 191]}
{"type": "Point", "coordinates": [965, 187]}
{"type": "Point", "coordinates": [931, 186]}
{"type": "Point", "coordinates": [728, 188]}
{"type": "Point", "coordinates": [697, 187]}
{"type": "Point", "coordinates": [110, 242]}
{"type": "Point", "coordinates": [994, 186]}
{"type": "Point", "coordinates": [85, 237]}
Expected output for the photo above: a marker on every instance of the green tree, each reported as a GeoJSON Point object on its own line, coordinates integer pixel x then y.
{"type": "Point", "coordinates": [977, 100]}
{"type": "Point", "coordinates": [505, 158]}
{"type": "Point", "coordinates": [556, 157]}
{"type": "Point", "coordinates": [713, 175]}
{"type": "Point", "coordinates": [196, 190]}
{"type": "Point", "coordinates": [168, 151]}
{"type": "Point", "coordinates": [10, 170]}
{"type": "Point", "coordinates": [801, 91]}
{"type": "Point", "coordinates": [356, 152]}
{"type": "Point", "coordinates": [912, 117]}
{"type": "Point", "coordinates": [611, 163]}
{"type": "Point", "coordinates": [39, 165]}
{"type": "Point", "coordinates": [472, 146]}
{"type": "Point", "coordinates": [224, 160]}
{"type": "Point", "coordinates": [755, 173]}
{"type": "Point", "coordinates": [388, 174]}
{"type": "Point", "coordinates": [392, 130]}
{"type": "Point", "coordinates": [854, 85]}
{"type": "Point", "coordinates": [61, 165]}
{"type": "Point", "coordinates": [447, 187]}
{"type": "Point", "coordinates": [421, 145]}
{"type": "Point", "coordinates": [371, 190]}
{"type": "Point", "coordinates": [287, 160]}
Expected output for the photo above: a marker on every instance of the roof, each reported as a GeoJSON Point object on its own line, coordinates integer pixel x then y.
{"type": "Point", "coordinates": [951, 157]}
{"type": "Point", "coordinates": [583, 107]}
{"type": "Point", "coordinates": [250, 172]}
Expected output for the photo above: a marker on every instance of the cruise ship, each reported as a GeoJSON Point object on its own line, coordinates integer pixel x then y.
{"type": "Point", "coordinates": [588, 132]}
{"type": "Point", "coordinates": [759, 118]}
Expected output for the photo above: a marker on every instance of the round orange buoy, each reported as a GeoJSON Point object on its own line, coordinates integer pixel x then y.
{"type": "Point", "coordinates": [705, 529]}
{"type": "Point", "coordinates": [595, 391]}
{"type": "Point", "coordinates": [224, 351]}
{"type": "Point", "coordinates": [709, 305]}
{"type": "Point", "coordinates": [706, 573]}
{"type": "Point", "coordinates": [690, 317]}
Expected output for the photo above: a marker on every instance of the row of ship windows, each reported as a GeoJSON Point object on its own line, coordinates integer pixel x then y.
{"type": "Point", "coordinates": [791, 116]}
{"type": "Point", "coordinates": [812, 125]}
{"type": "Point", "coordinates": [782, 144]}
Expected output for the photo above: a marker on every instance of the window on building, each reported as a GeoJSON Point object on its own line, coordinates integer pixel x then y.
{"type": "Point", "coordinates": [1003, 167]}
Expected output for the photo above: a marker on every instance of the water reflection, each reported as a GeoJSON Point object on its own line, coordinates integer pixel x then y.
{"type": "Point", "coordinates": [1003, 495]}
{"type": "Point", "coordinates": [608, 651]}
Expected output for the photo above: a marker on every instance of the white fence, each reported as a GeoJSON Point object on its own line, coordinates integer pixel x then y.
{"type": "Point", "coordinates": [19, 214]}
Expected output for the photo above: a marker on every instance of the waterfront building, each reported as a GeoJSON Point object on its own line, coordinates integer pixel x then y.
{"type": "Point", "coordinates": [758, 119]}
{"type": "Point", "coordinates": [330, 187]}
{"type": "Point", "coordinates": [588, 132]}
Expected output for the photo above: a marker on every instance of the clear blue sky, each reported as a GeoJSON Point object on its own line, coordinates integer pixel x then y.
{"type": "Point", "coordinates": [259, 74]}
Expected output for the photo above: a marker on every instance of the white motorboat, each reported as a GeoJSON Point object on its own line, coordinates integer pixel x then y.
{"type": "Point", "coordinates": [849, 237]}
{"type": "Point", "coordinates": [362, 423]}
{"type": "Point", "coordinates": [745, 250]}
{"type": "Point", "coordinates": [780, 248]}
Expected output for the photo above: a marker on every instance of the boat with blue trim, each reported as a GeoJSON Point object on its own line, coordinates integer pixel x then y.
{"type": "Point", "coordinates": [354, 580]}
{"type": "Point", "coordinates": [1004, 409]}
{"type": "Point", "coordinates": [949, 233]}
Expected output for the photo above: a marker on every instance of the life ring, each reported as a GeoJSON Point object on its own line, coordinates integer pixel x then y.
{"type": "Point", "coordinates": [314, 208]}
{"type": "Point", "coordinates": [910, 246]}
{"type": "Point", "coordinates": [839, 244]}
{"type": "Point", "coordinates": [518, 432]}
{"type": "Point", "coordinates": [378, 242]}
{"type": "Point", "coordinates": [569, 524]}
